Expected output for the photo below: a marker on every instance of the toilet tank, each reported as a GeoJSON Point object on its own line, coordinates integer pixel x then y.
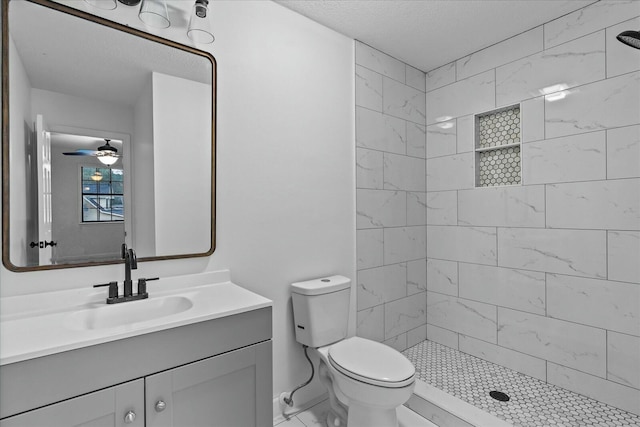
{"type": "Point", "coordinates": [321, 310]}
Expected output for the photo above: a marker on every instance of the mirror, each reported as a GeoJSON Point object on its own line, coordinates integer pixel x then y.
{"type": "Point", "coordinates": [108, 138]}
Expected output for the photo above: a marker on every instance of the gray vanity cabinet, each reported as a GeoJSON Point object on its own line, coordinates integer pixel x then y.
{"type": "Point", "coordinates": [111, 407]}
{"type": "Point", "coordinates": [219, 391]}
{"type": "Point", "coordinates": [215, 373]}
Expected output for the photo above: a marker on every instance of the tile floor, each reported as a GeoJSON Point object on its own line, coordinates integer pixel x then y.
{"type": "Point", "coordinates": [316, 415]}
{"type": "Point", "coordinates": [533, 403]}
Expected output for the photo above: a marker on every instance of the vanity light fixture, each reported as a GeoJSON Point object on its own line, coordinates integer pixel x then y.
{"type": "Point", "coordinates": [199, 27]}
{"type": "Point", "coordinates": [103, 4]}
{"type": "Point", "coordinates": [154, 13]}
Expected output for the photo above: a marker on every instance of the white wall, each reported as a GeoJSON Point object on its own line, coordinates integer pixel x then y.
{"type": "Point", "coordinates": [181, 112]}
{"type": "Point", "coordinates": [22, 125]}
{"type": "Point", "coordinates": [285, 177]}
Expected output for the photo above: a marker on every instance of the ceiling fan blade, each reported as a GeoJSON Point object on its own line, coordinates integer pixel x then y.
{"type": "Point", "coordinates": [81, 152]}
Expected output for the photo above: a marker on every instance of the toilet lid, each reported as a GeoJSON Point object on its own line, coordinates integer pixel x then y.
{"type": "Point", "coordinates": [371, 362]}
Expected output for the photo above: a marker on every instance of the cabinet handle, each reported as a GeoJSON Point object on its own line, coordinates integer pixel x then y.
{"type": "Point", "coordinates": [129, 417]}
{"type": "Point", "coordinates": [160, 406]}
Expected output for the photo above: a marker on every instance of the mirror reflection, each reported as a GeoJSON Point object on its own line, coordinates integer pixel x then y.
{"type": "Point", "coordinates": [110, 141]}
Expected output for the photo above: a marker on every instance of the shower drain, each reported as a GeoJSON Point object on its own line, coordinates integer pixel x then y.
{"type": "Point", "coordinates": [498, 395]}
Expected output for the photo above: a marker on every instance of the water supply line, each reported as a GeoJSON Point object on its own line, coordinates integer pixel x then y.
{"type": "Point", "coordinates": [289, 400]}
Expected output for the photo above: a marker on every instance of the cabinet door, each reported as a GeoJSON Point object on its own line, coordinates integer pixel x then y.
{"type": "Point", "coordinates": [232, 389]}
{"type": "Point", "coordinates": [104, 408]}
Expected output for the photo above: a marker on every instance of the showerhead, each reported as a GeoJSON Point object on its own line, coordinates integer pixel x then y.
{"type": "Point", "coordinates": [630, 38]}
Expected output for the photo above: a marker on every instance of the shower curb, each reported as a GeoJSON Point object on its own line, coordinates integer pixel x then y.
{"type": "Point", "coordinates": [446, 410]}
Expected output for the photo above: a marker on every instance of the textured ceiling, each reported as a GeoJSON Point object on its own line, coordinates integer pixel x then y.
{"type": "Point", "coordinates": [431, 33]}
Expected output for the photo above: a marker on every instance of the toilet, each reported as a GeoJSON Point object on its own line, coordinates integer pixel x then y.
{"type": "Point", "coordinates": [366, 380]}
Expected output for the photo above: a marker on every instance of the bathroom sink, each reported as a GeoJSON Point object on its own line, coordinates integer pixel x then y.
{"type": "Point", "coordinates": [127, 313]}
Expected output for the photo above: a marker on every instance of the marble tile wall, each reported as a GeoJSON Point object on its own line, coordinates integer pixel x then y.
{"type": "Point", "coordinates": [541, 277]}
{"type": "Point", "coordinates": [391, 200]}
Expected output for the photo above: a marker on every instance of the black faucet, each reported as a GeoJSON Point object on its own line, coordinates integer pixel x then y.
{"type": "Point", "coordinates": [130, 263]}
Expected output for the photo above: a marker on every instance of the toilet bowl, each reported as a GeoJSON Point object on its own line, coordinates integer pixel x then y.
{"type": "Point", "coordinates": [369, 378]}
{"type": "Point", "coordinates": [366, 380]}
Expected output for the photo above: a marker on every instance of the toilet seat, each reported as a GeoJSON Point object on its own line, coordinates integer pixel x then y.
{"type": "Point", "coordinates": [371, 362]}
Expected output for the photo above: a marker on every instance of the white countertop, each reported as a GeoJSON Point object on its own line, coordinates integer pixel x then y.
{"type": "Point", "coordinates": [42, 324]}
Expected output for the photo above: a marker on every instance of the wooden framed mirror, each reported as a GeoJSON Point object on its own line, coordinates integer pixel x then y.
{"type": "Point", "coordinates": [93, 83]}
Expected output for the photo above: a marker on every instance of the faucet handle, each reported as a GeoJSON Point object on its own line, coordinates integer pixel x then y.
{"type": "Point", "coordinates": [142, 284]}
{"type": "Point", "coordinates": [113, 288]}
{"type": "Point", "coordinates": [123, 251]}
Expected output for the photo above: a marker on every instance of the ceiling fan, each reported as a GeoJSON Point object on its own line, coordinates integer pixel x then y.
{"type": "Point", "coordinates": [106, 153]}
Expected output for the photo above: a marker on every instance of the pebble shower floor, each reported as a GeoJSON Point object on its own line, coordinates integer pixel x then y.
{"type": "Point", "coordinates": [533, 403]}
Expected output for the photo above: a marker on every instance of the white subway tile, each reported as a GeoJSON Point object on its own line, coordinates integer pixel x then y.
{"type": "Point", "coordinates": [571, 64]}
{"type": "Point", "coordinates": [404, 244]}
{"type": "Point", "coordinates": [623, 152]}
{"type": "Point", "coordinates": [571, 158]}
{"type": "Point", "coordinates": [379, 62]}
{"type": "Point", "coordinates": [370, 323]}
{"type": "Point", "coordinates": [588, 20]}
{"type": "Point", "coordinates": [416, 276]}
{"type": "Point", "coordinates": [467, 244]}
{"type": "Point", "coordinates": [623, 359]}
{"type": "Point", "coordinates": [380, 208]}
{"type": "Point", "coordinates": [441, 139]}
{"type": "Point", "coordinates": [605, 104]}
{"type": "Point", "coordinates": [416, 336]}
{"type": "Point", "coordinates": [469, 96]}
{"type": "Point", "coordinates": [605, 304]}
{"type": "Point", "coordinates": [380, 132]}
{"type": "Point", "coordinates": [576, 252]}
{"type": "Point", "coordinates": [520, 362]}
{"type": "Point", "coordinates": [621, 58]}
{"type": "Point", "coordinates": [404, 173]}
{"type": "Point", "coordinates": [416, 140]}
{"type": "Point", "coordinates": [442, 276]}
{"type": "Point", "coordinates": [532, 119]}
{"type": "Point", "coordinates": [466, 127]}
{"type": "Point", "coordinates": [369, 168]}
{"type": "Point", "coordinates": [624, 253]}
{"type": "Point", "coordinates": [416, 208]}
{"type": "Point", "coordinates": [369, 247]}
{"type": "Point", "coordinates": [405, 314]}
{"type": "Point", "coordinates": [381, 284]}
{"type": "Point", "coordinates": [368, 89]}
{"type": "Point", "coordinates": [440, 77]}
{"type": "Point", "coordinates": [451, 172]}
{"type": "Point", "coordinates": [502, 206]}
{"type": "Point", "coordinates": [608, 392]}
{"type": "Point", "coordinates": [442, 208]}
{"type": "Point", "coordinates": [612, 204]}
{"type": "Point", "coordinates": [399, 342]}
{"type": "Point", "coordinates": [464, 316]}
{"type": "Point", "coordinates": [577, 346]}
{"type": "Point", "coordinates": [518, 289]}
{"type": "Point", "coordinates": [442, 336]}
{"type": "Point", "coordinates": [403, 101]}
{"type": "Point", "coordinates": [415, 78]}
{"type": "Point", "coordinates": [509, 50]}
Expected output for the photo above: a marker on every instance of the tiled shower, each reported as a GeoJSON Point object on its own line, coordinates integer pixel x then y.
{"type": "Point", "coordinates": [537, 271]}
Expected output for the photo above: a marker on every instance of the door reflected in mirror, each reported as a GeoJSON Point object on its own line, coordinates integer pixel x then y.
{"type": "Point", "coordinates": [111, 136]}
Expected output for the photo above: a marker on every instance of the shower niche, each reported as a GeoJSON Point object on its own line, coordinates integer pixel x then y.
{"type": "Point", "coordinates": [497, 147]}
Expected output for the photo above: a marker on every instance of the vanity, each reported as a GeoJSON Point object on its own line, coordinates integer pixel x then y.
{"type": "Point", "coordinates": [200, 354]}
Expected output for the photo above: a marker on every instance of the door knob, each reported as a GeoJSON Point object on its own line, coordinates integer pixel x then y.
{"type": "Point", "coordinates": [160, 406]}
{"type": "Point", "coordinates": [129, 417]}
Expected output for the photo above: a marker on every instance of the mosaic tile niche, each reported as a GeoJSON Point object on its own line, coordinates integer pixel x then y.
{"type": "Point", "coordinates": [498, 147]}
